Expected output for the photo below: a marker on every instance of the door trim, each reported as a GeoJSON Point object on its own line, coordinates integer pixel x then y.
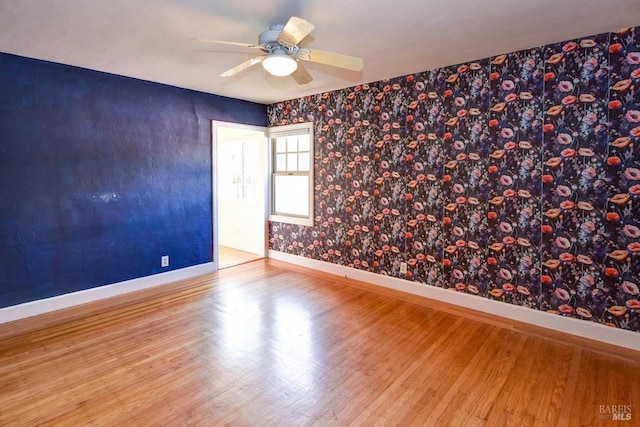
{"type": "Point", "coordinates": [215, 126]}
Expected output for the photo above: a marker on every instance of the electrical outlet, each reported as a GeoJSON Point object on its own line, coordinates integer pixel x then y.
{"type": "Point", "coordinates": [403, 268]}
{"type": "Point", "coordinates": [164, 261]}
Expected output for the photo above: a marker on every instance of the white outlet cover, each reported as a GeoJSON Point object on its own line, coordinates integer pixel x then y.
{"type": "Point", "coordinates": [164, 261]}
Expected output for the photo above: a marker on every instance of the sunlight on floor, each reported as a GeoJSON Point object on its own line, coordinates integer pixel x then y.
{"type": "Point", "coordinates": [228, 257]}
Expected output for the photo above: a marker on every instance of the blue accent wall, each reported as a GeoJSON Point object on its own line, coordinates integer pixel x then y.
{"type": "Point", "coordinates": [100, 175]}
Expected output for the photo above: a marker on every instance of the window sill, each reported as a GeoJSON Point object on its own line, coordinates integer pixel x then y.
{"type": "Point", "coordinates": [291, 220]}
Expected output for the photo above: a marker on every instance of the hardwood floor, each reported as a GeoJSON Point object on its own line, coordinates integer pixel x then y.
{"type": "Point", "coordinates": [267, 343]}
{"type": "Point", "coordinates": [229, 257]}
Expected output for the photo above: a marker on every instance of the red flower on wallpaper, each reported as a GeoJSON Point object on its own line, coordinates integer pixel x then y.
{"type": "Point", "coordinates": [615, 48]}
{"type": "Point", "coordinates": [545, 279]}
{"type": "Point", "coordinates": [611, 272]}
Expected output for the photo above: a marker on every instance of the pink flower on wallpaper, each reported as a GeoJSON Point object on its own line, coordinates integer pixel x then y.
{"type": "Point", "coordinates": [633, 116]}
{"type": "Point", "coordinates": [506, 133]}
{"type": "Point", "coordinates": [506, 180]}
{"type": "Point", "coordinates": [526, 212]}
{"type": "Point", "coordinates": [505, 227]}
{"type": "Point", "coordinates": [562, 294]}
{"type": "Point", "coordinates": [457, 274]}
{"type": "Point", "coordinates": [563, 191]}
{"type": "Point", "coordinates": [633, 58]}
{"type": "Point", "coordinates": [563, 242]}
{"type": "Point", "coordinates": [630, 288]}
{"type": "Point", "coordinates": [587, 281]}
{"type": "Point", "coordinates": [631, 231]}
{"type": "Point", "coordinates": [588, 227]}
{"type": "Point", "coordinates": [589, 173]}
{"type": "Point", "coordinates": [590, 64]}
{"type": "Point", "coordinates": [590, 119]}
{"type": "Point", "coordinates": [508, 85]}
{"type": "Point", "coordinates": [565, 86]}
{"type": "Point", "coordinates": [505, 274]}
{"type": "Point", "coordinates": [564, 139]}
{"type": "Point", "coordinates": [584, 259]}
{"type": "Point", "coordinates": [529, 64]}
{"type": "Point", "coordinates": [632, 174]}
{"type": "Point", "coordinates": [526, 261]}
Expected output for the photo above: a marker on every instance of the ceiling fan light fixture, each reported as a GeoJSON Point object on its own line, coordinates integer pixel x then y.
{"type": "Point", "coordinates": [279, 64]}
{"type": "Point", "coordinates": [282, 55]}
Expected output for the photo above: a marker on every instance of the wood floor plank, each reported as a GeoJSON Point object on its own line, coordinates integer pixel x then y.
{"type": "Point", "coordinates": [272, 344]}
{"type": "Point", "coordinates": [230, 257]}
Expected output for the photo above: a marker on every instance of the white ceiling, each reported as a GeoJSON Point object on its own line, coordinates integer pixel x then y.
{"type": "Point", "coordinates": [150, 39]}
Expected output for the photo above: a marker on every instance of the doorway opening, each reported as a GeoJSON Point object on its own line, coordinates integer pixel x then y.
{"type": "Point", "coordinates": [240, 193]}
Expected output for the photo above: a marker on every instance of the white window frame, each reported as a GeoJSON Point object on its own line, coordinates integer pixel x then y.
{"type": "Point", "coordinates": [242, 144]}
{"type": "Point", "coordinates": [290, 130]}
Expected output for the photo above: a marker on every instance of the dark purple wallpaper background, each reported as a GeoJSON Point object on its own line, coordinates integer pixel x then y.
{"type": "Point", "coordinates": [100, 175]}
{"type": "Point", "coordinates": [514, 178]}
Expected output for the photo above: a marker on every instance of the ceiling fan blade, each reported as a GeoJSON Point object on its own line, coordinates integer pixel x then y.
{"type": "Point", "coordinates": [301, 75]}
{"type": "Point", "coordinates": [241, 67]}
{"type": "Point", "coordinates": [253, 46]}
{"type": "Point", "coordinates": [329, 58]}
{"type": "Point", "coordinates": [295, 30]}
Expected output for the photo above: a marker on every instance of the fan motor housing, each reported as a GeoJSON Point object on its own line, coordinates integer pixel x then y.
{"type": "Point", "coordinates": [271, 35]}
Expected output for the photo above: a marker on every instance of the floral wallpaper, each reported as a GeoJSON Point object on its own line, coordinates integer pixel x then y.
{"type": "Point", "coordinates": [514, 178]}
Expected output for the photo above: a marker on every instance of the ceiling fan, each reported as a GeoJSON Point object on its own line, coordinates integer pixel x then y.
{"type": "Point", "coordinates": [283, 55]}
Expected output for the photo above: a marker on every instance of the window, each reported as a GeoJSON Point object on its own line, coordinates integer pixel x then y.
{"type": "Point", "coordinates": [237, 170]}
{"type": "Point", "coordinates": [292, 174]}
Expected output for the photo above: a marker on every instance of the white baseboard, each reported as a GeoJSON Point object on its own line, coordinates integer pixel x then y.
{"type": "Point", "coordinates": [33, 308]}
{"type": "Point", "coordinates": [581, 328]}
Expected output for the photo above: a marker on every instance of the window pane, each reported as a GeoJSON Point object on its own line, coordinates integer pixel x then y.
{"type": "Point", "coordinates": [249, 168]}
{"type": "Point", "coordinates": [292, 162]}
{"type": "Point", "coordinates": [249, 185]}
{"type": "Point", "coordinates": [281, 144]}
{"type": "Point", "coordinates": [303, 143]}
{"type": "Point", "coordinates": [291, 195]}
{"type": "Point", "coordinates": [292, 170]}
{"type": "Point", "coordinates": [230, 172]}
{"type": "Point", "coordinates": [281, 162]}
{"type": "Point", "coordinates": [303, 162]}
{"type": "Point", "coordinates": [292, 144]}
{"type": "Point", "coordinates": [250, 158]}
{"type": "Point", "coordinates": [250, 191]}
